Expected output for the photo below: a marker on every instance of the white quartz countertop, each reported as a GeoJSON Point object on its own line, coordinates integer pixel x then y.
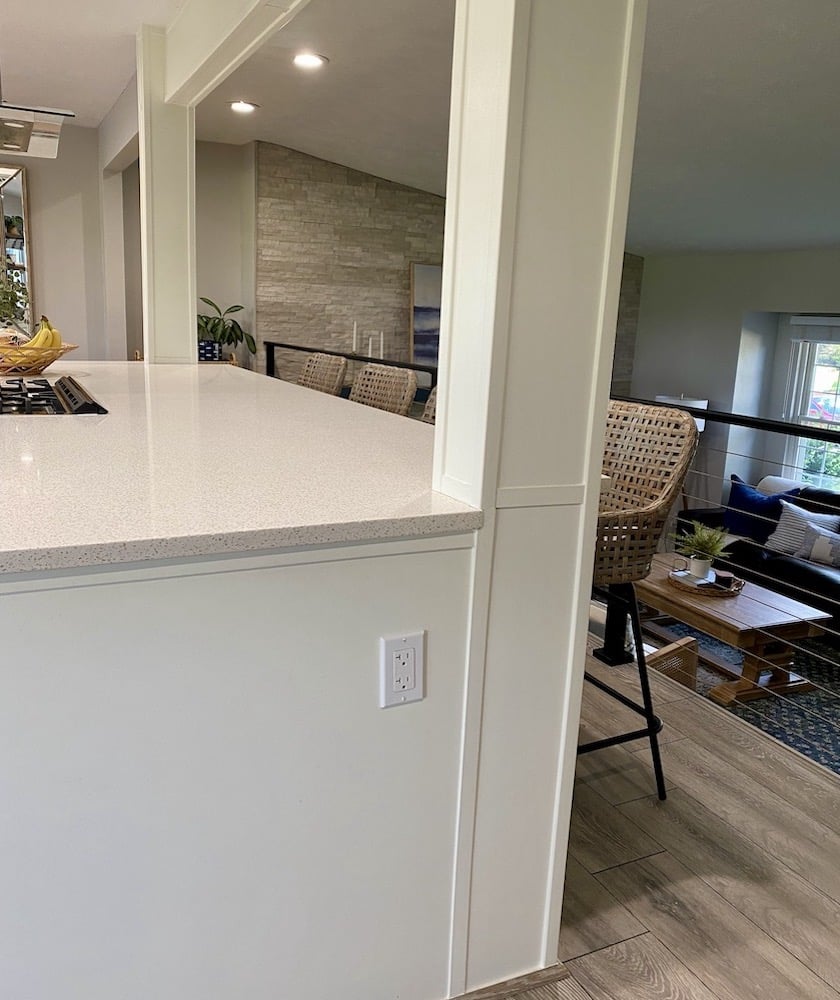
{"type": "Point", "coordinates": [206, 460]}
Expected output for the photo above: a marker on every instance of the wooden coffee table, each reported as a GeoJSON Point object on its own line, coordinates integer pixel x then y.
{"type": "Point", "coordinates": [758, 621]}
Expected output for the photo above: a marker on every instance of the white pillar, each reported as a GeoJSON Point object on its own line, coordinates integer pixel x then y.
{"type": "Point", "coordinates": [541, 137]}
{"type": "Point", "coordinates": [167, 209]}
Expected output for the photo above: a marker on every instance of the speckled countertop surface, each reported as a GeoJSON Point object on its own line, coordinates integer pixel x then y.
{"type": "Point", "coordinates": [207, 460]}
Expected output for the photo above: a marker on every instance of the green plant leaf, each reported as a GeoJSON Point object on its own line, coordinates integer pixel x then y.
{"type": "Point", "coordinates": [252, 344]}
{"type": "Point", "coordinates": [210, 303]}
{"type": "Point", "coordinates": [232, 309]}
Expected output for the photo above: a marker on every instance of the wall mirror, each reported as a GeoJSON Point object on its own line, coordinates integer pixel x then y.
{"type": "Point", "coordinates": [15, 246]}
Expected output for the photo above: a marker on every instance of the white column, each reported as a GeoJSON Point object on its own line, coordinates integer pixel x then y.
{"type": "Point", "coordinates": [167, 209]}
{"type": "Point", "coordinates": [541, 136]}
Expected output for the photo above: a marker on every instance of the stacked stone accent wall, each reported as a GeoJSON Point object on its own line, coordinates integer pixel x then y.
{"type": "Point", "coordinates": [334, 245]}
{"type": "Point", "coordinates": [627, 324]}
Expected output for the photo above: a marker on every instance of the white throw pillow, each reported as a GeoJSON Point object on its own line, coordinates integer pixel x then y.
{"type": "Point", "coordinates": [789, 537]}
{"type": "Point", "coordinates": [820, 546]}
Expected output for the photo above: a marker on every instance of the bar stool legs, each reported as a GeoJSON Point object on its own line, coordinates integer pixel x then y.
{"type": "Point", "coordinates": [621, 602]}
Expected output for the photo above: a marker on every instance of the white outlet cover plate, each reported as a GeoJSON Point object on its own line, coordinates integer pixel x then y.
{"type": "Point", "coordinates": [391, 693]}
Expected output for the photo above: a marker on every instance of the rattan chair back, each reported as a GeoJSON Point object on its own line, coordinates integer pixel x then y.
{"type": "Point", "coordinates": [430, 407]}
{"type": "Point", "coordinates": [647, 453]}
{"type": "Point", "coordinates": [385, 388]}
{"type": "Point", "coordinates": [324, 373]}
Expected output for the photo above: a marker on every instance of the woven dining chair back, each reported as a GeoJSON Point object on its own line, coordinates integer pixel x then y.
{"type": "Point", "coordinates": [430, 408]}
{"type": "Point", "coordinates": [647, 453]}
{"type": "Point", "coordinates": [385, 388]}
{"type": "Point", "coordinates": [324, 373]}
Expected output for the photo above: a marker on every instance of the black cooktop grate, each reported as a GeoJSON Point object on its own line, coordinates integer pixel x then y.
{"type": "Point", "coordinates": [37, 396]}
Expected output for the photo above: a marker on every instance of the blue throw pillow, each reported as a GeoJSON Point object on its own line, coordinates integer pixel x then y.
{"type": "Point", "coordinates": [751, 513]}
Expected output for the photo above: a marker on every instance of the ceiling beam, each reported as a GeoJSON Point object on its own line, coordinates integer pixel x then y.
{"type": "Point", "coordinates": [209, 39]}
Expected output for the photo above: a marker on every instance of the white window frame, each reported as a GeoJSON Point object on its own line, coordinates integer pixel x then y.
{"type": "Point", "coordinates": [803, 357]}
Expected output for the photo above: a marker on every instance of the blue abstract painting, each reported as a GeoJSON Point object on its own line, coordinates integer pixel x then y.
{"type": "Point", "coordinates": [425, 313]}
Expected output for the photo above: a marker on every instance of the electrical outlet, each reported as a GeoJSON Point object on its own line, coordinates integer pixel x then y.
{"type": "Point", "coordinates": [401, 669]}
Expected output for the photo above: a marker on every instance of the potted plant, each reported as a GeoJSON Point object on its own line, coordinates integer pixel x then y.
{"type": "Point", "coordinates": [701, 544]}
{"type": "Point", "coordinates": [219, 330]}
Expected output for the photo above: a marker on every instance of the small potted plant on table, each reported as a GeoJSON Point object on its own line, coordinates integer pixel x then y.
{"type": "Point", "coordinates": [701, 544]}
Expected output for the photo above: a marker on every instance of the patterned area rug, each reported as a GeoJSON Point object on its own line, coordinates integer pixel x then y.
{"type": "Point", "coordinates": [810, 723]}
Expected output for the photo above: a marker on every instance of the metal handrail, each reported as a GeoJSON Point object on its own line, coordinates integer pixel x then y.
{"type": "Point", "coordinates": [270, 369]}
{"type": "Point", "coordinates": [743, 420]}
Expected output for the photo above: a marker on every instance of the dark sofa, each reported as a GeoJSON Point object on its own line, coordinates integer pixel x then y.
{"type": "Point", "coordinates": [811, 583]}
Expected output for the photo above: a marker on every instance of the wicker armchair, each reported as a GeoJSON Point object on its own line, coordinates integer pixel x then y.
{"type": "Point", "coordinates": [324, 373]}
{"type": "Point", "coordinates": [647, 452]}
{"type": "Point", "coordinates": [385, 388]}
{"type": "Point", "coordinates": [430, 408]}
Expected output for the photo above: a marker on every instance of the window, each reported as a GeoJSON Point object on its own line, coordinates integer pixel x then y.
{"type": "Point", "coordinates": [813, 400]}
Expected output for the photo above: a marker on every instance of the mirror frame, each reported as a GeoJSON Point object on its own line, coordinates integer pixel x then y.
{"type": "Point", "coordinates": [27, 236]}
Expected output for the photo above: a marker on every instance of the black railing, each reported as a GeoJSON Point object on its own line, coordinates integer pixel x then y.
{"type": "Point", "coordinates": [272, 345]}
{"type": "Point", "coordinates": [743, 420]}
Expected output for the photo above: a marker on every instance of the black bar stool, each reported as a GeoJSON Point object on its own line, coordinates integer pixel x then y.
{"type": "Point", "coordinates": [647, 453]}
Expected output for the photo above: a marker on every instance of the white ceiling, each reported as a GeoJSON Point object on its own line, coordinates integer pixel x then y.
{"type": "Point", "coordinates": [381, 105]}
{"type": "Point", "coordinates": [73, 54]}
{"type": "Point", "coordinates": [737, 144]}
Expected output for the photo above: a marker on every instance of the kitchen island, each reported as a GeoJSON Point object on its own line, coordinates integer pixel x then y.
{"type": "Point", "coordinates": [201, 796]}
{"type": "Point", "coordinates": [207, 460]}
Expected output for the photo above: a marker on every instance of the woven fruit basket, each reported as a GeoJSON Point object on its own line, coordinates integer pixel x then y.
{"type": "Point", "coordinates": [23, 360]}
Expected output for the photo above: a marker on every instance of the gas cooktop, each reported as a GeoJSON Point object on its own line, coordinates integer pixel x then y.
{"type": "Point", "coordinates": [37, 396]}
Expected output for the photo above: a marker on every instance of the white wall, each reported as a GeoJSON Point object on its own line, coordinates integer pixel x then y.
{"type": "Point", "coordinates": [65, 227]}
{"type": "Point", "coordinates": [225, 196]}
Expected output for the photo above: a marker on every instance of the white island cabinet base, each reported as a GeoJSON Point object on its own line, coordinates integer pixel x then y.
{"type": "Point", "coordinates": [201, 796]}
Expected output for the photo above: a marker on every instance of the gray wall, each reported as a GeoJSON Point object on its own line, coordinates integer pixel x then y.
{"type": "Point", "coordinates": [66, 239]}
{"type": "Point", "coordinates": [691, 317]}
{"type": "Point", "coordinates": [333, 246]}
{"type": "Point", "coordinates": [133, 267]}
{"type": "Point", "coordinates": [753, 382]}
{"type": "Point", "coordinates": [225, 216]}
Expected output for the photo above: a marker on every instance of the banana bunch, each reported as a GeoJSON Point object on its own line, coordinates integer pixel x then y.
{"type": "Point", "coordinates": [46, 336]}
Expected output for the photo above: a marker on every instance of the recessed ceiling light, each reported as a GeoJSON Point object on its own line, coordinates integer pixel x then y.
{"type": "Point", "coordinates": [243, 107]}
{"type": "Point", "coordinates": [14, 124]}
{"type": "Point", "coordinates": [11, 145]}
{"type": "Point", "coordinates": [309, 60]}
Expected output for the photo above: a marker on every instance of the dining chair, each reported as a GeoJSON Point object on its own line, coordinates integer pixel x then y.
{"type": "Point", "coordinates": [430, 408]}
{"type": "Point", "coordinates": [385, 388]}
{"type": "Point", "coordinates": [647, 452]}
{"type": "Point", "coordinates": [323, 372]}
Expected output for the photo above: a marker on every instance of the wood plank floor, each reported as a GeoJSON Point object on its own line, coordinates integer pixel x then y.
{"type": "Point", "coordinates": [729, 890]}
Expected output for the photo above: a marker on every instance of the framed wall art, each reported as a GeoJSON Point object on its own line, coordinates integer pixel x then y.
{"type": "Point", "coordinates": [425, 312]}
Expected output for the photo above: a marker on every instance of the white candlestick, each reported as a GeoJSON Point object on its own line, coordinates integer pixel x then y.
{"type": "Point", "coordinates": [355, 343]}
{"type": "Point", "coordinates": [381, 344]}
{"type": "Point", "coordinates": [370, 347]}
